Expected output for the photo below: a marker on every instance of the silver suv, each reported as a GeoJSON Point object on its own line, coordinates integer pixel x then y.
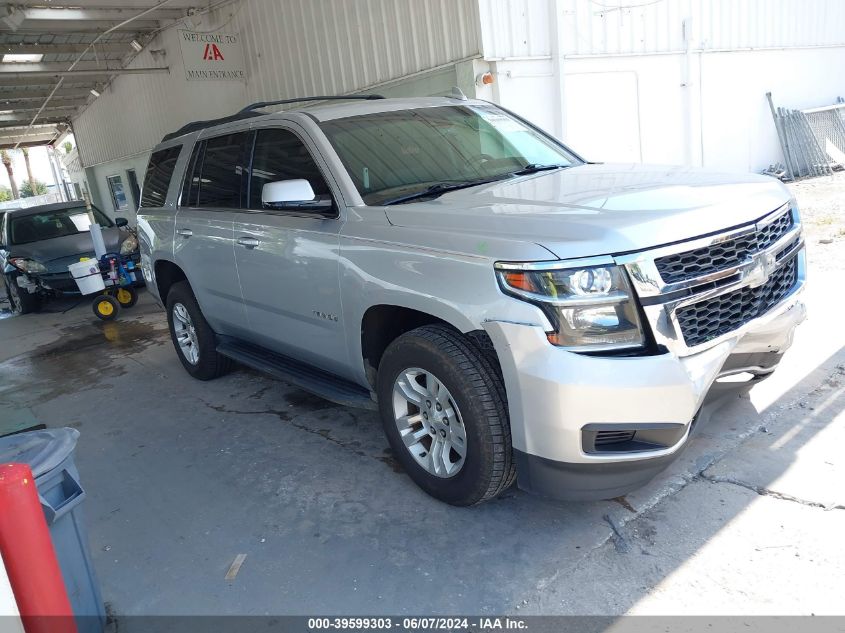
{"type": "Point", "coordinates": [512, 311]}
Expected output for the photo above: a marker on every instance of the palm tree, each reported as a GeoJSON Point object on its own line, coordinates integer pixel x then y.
{"type": "Point", "coordinates": [29, 177]}
{"type": "Point", "coordinates": [7, 162]}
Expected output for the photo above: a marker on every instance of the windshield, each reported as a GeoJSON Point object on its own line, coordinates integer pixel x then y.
{"type": "Point", "coordinates": [391, 155]}
{"type": "Point", "coordinates": [51, 224]}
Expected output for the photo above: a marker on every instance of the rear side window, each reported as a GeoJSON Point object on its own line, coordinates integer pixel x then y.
{"type": "Point", "coordinates": [222, 171]}
{"type": "Point", "coordinates": [159, 174]}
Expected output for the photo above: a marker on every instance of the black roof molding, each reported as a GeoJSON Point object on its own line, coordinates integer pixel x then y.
{"type": "Point", "coordinates": [249, 112]}
{"type": "Point", "coordinates": [196, 126]}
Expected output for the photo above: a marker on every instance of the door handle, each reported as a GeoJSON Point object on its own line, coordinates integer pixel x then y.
{"type": "Point", "coordinates": [249, 242]}
{"type": "Point", "coordinates": [184, 232]}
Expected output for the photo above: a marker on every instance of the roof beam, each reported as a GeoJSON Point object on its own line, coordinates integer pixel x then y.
{"type": "Point", "coordinates": [12, 142]}
{"type": "Point", "coordinates": [73, 105]}
{"type": "Point", "coordinates": [23, 96]}
{"type": "Point", "coordinates": [38, 79]}
{"type": "Point", "coordinates": [18, 120]}
{"type": "Point", "coordinates": [27, 67]}
{"type": "Point", "coordinates": [21, 130]}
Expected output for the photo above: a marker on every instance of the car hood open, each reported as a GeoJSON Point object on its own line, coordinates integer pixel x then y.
{"type": "Point", "coordinates": [600, 209]}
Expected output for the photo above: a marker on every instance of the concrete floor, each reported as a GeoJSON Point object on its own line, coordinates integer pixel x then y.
{"type": "Point", "coordinates": [183, 476]}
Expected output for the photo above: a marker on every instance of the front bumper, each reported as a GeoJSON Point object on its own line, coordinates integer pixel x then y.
{"type": "Point", "coordinates": [555, 397]}
{"type": "Point", "coordinates": [61, 282]}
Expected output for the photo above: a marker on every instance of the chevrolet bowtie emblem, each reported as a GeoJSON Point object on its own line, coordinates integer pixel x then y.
{"type": "Point", "coordinates": [762, 265]}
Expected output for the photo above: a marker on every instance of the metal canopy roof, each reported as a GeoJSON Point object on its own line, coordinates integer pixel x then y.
{"type": "Point", "coordinates": [83, 45]}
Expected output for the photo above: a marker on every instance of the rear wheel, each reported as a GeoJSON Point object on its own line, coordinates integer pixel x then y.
{"type": "Point", "coordinates": [444, 413]}
{"type": "Point", "coordinates": [20, 301]}
{"type": "Point", "coordinates": [193, 338]}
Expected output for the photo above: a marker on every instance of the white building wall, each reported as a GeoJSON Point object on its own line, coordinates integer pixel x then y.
{"type": "Point", "coordinates": [292, 48]}
{"type": "Point", "coordinates": [511, 28]}
{"type": "Point", "coordinates": [672, 81]}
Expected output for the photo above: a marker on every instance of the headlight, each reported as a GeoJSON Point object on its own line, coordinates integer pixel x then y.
{"type": "Point", "coordinates": [27, 265]}
{"type": "Point", "coordinates": [129, 246]}
{"type": "Point", "coordinates": [591, 307]}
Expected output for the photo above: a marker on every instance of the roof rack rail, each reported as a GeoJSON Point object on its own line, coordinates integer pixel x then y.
{"type": "Point", "coordinates": [249, 112]}
{"type": "Point", "coordinates": [265, 104]}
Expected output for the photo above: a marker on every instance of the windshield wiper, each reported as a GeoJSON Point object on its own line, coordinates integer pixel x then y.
{"type": "Point", "coordinates": [533, 168]}
{"type": "Point", "coordinates": [439, 188]}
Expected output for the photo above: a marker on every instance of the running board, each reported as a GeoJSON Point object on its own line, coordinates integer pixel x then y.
{"type": "Point", "coordinates": [316, 381]}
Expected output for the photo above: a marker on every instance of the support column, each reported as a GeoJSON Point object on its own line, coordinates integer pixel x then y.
{"type": "Point", "coordinates": [556, 36]}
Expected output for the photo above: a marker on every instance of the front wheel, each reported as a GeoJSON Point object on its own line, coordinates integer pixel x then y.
{"type": "Point", "coordinates": [105, 307]}
{"type": "Point", "coordinates": [20, 301]}
{"type": "Point", "coordinates": [444, 413]}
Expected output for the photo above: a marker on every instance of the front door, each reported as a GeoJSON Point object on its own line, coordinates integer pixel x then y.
{"type": "Point", "coordinates": [288, 262]}
{"type": "Point", "coordinates": [204, 240]}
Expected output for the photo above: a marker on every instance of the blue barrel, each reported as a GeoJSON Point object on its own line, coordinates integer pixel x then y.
{"type": "Point", "coordinates": [49, 454]}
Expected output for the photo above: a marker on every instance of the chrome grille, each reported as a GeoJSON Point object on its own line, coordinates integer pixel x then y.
{"type": "Point", "coordinates": [727, 254]}
{"type": "Point", "coordinates": [772, 232]}
{"type": "Point", "coordinates": [706, 320]}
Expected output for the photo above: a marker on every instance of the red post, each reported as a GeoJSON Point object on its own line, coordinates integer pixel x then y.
{"type": "Point", "coordinates": [29, 556]}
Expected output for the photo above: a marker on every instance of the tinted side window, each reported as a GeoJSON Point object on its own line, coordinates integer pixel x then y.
{"type": "Point", "coordinates": [159, 173]}
{"type": "Point", "coordinates": [280, 155]}
{"type": "Point", "coordinates": [222, 171]}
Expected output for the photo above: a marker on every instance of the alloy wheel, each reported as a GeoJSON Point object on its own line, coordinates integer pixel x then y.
{"type": "Point", "coordinates": [186, 334]}
{"type": "Point", "coordinates": [429, 422]}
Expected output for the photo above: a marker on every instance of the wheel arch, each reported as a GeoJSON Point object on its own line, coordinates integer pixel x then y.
{"type": "Point", "coordinates": [166, 273]}
{"type": "Point", "coordinates": [382, 324]}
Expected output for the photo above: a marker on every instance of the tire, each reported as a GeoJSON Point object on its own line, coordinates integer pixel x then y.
{"type": "Point", "coordinates": [208, 364]}
{"type": "Point", "coordinates": [105, 307]}
{"type": "Point", "coordinates": [474, 385]}
{"type": "Point", "coordinates": [20, 301]}
{"type": "Point", "coordinates": [126, 296]}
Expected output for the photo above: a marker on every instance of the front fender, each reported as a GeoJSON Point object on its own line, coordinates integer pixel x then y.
{"type": "Point", "coordinates": [456, 288]}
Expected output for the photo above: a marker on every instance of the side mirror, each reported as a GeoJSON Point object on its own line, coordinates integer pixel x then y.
{"type": "Point", "coordinates": [294, 195]}
{"type": "Point", "coordinates": [121, 222]}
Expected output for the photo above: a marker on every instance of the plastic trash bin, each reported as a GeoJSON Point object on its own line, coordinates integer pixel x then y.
{"type": "Point", "coordinates": [49, 454]}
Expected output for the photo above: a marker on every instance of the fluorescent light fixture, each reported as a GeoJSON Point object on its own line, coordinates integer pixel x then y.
{"type": "Point", "coordinates": [11, 58]}
{"type": "Point", "coordinates": [136, 46]}
{"type": "Point", "coordinates": [6, 112]}
{"type": "Point", "coordinates": [95, 93]}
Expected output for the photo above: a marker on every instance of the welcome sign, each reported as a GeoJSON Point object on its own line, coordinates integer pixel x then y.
{"type": "Point", "coordinates": [212, 56]}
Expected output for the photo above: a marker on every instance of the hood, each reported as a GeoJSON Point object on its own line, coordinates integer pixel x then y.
{"type": "Point", "coordinates": [56, 254]}
{"type": "Point", "coordinates": [600, 209]}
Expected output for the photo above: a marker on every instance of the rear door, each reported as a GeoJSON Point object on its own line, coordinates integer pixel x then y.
{"type": "Point", "coordinates": [288, 261]}
{"type": "Point", "coordinates": [214, 187]}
